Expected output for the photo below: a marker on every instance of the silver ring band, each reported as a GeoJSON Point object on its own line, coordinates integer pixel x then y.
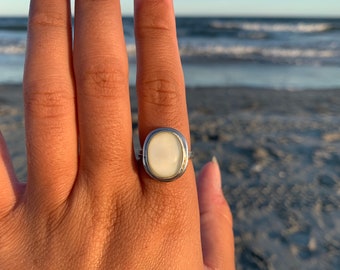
{"type": "Point", "coordinates": [165, 154]}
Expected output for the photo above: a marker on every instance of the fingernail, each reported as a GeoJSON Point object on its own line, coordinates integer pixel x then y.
{"type": "Point", "coordinates": [217, 181]}
{"type": "Point", "coordinates": [214, 160]}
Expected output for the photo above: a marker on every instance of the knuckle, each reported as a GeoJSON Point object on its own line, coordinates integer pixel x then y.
{"type": "Point", "coordinates": [108, 207]}
{"type": "Point", "coordinates": [168, 213]}
{"type": "Point", "coordinates": [160, 92]}
{"type": "Point", "coordinates": [165, 217]}
{"type": "Point", "coordinates": [103, 80]}
{"type": "Point", "coordinates": [49, 102]}
{"type": "Point", "coordinates": [153, 18]}
{"type": "Point", "coordinates": [45, 19]}
{"type": "Point", "coordinates": [220, 212]}
{"type": "Point", "coordinates": [155, 27]}
{"type": "Point", "coordinates": [95, 1]}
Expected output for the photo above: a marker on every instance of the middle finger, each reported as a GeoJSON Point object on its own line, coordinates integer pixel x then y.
{"type": "Point", "coordinates": [101, 70]}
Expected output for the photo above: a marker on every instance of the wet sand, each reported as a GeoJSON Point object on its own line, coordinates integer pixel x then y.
{"type": "Point", "coordinates": [279, 152]}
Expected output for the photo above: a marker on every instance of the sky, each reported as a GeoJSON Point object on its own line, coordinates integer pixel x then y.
{"type": "Point", "coordinates": [314, 8]}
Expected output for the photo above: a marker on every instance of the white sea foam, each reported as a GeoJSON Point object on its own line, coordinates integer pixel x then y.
{"type": "Point", "coordinates": [293, 53]}
{"type": "Point", "coordinates": [131, 49]}
{"type": "Point", "coordinates": [273, 27]}
{"type": "Point", "coordinates": [12, 49]}
{"type": "Point", "coordinates": [248, 51]}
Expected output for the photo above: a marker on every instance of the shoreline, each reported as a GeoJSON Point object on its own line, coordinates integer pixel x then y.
{"type": "Point", "coordinates": [279, 155]}
{"type": "Point", "coordinates": [16, 85]}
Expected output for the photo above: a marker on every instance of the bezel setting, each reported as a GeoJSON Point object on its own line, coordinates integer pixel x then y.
{"type": "Point", "coordinates": [182, 164]}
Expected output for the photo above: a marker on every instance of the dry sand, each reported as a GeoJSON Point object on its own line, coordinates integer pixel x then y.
{"type": "Point", "coordinates": [279, 153]}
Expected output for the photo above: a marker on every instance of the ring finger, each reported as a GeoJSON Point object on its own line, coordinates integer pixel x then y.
{"type": "Point", "coordinates": [160, 82]}
{"type": "Point", "coordinates": [162, 103]}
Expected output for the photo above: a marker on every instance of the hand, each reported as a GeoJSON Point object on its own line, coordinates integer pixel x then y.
{"type": "Point", "coordinates": [88, 203]}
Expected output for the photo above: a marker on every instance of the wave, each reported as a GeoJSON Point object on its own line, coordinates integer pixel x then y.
{"type": "Point", "coordinates": [273, 27]}
{"type": "Point", "coordinates": [12, 49]}
{"type": "Point", "coordinates": [13, 28]}
{"type": "Point", "coordinates": [235, 52]}
{"type": "Point", "coordinates": [247, 52]}
{"type": "Point", "coordinates": [256, 52]}
{"type": "Point", "coordinates": [250, 53]}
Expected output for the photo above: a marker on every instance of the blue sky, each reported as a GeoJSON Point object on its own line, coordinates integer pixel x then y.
{"type": "Point", "coordinates": [219, 7]}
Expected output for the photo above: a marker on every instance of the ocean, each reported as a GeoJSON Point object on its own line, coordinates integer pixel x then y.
{"type": "Point", "coordinates": [271, 53]}
{"type": "Point", "coordinates": [278, 150]}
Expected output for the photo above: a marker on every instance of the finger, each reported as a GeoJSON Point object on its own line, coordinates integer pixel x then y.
{"type": "Point", "coordinates": [160, 83]}
{"type": "Point", "coordinates": [162, 103]}
{"type": "Point", "coordinates": [101, 69]}
{"type": "Point", "coordinates": [49, 101]}
{"type": "Point", "coordinates": [7, 179]}
{"type": "Point", "coordinates": [216, 220]}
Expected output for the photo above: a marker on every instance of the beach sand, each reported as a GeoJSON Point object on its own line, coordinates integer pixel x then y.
{"type": "Point", "coordinates": [279, 152]}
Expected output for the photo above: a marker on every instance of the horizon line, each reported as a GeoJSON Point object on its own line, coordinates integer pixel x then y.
{"type": "Point", "coordinates": [307, 16]}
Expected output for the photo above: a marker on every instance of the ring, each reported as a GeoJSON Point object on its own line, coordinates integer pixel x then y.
{"type": "Point", "coordinates": [165, 154]}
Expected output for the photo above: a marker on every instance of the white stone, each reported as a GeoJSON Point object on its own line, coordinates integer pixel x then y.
{"type": "Point", "coordinates": [165, 155]}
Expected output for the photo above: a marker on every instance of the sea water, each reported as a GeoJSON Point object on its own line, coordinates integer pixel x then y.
{"type": "Point", "coordinates": [273, 53]}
